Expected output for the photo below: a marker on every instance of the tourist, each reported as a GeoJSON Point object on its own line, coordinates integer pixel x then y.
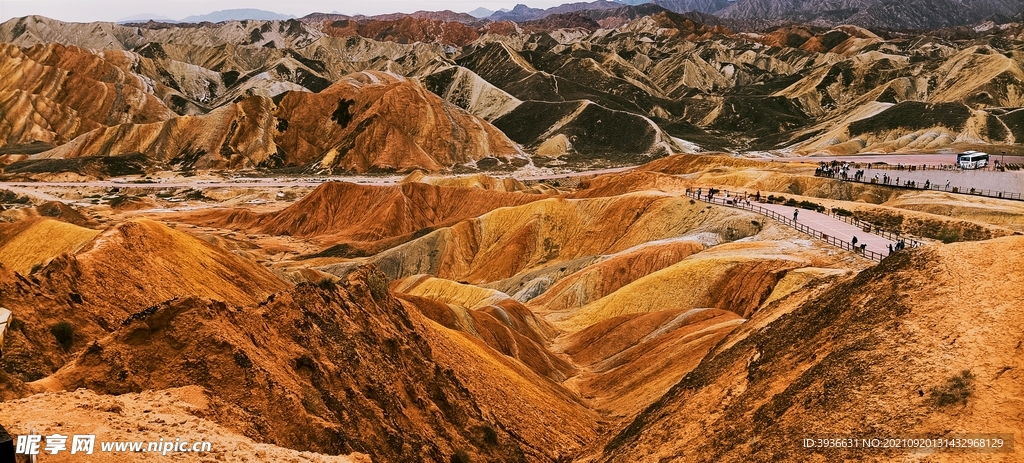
{"type": "Point", "coordinates": [795, 212]}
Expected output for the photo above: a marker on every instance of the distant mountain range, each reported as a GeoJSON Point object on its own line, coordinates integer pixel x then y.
{"type": "Point", "coordinates": [237, 14]}
{"type": "Point", "coordinates": [764, 14]}
{"type": "Point", "coordinates": [484, 12]}
{"type": "Point", "coordinates": [214, 17]}
{"type": "Point", "coordinates": [522, 12]}
{"type": "Point", "coordinates": [143, 17]}
{"type": "Point", "coordinates": [877, 14]}
{"type": "Point", "coordinates": [738, 14]}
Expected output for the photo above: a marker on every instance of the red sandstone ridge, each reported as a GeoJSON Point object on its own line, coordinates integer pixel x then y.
{"type": "Point", "coordinates": [338, 210]}
{"type": "Point", "coordinates": [684, 25]}
{"type": "Point", "coordinates": [367, 369]}
{"type": "Point", "coordinates": [444, 15]}
{"type": "Point", "coordinates": [561, 21]}
{"type": "Point", "coordinates": [791, 36]}
{"type": "Point", "coordinates": [378, 121]}
{"type": "Point", "coordinates": [236, 135]}
{"type": "Point", "coordinates": [54, 93]}
{"type": "Point", "coordinates": [98, 86]}
{"type": "Point", "coordinates": [370, 121]}
{"type": "Point", "coordinates": [406, 29]}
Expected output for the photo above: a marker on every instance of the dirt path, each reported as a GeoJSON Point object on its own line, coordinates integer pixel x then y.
{"type": "Point", "coordinates": [32, 192]}
{"type": "Point", "coordinates": [268, 183]}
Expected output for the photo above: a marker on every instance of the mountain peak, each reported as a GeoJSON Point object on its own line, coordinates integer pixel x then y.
{"type": "Point", "coordinates": [237, 14]}
{"type": "Point", "coordinates": [482, 12]}
{"type": "Point", "coordinates": [143, 17]}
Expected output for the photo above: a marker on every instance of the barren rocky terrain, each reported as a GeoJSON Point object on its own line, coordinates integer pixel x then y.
{"type": "Point", "coordinates": [431, 237]}
{"type": "Point", "coordinates": [472, 317]}
{"type": "Point", "coordinates": [594, 86]}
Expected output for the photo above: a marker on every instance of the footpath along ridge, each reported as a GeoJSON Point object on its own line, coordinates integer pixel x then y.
{"type": "Point", "coordinates": [832, 230]}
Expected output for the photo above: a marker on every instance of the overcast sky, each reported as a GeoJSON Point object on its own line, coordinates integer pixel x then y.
{"type": "Point", "coordinates": [113, 10]}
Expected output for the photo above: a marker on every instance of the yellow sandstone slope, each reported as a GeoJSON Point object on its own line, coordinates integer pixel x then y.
{"type": "Point", "coordinates": [514, 240]}
{"type": "Point", "coordinates": [736, 277]}
{"type": "Point", "coordinates": [628, 362]}
{"type": "Point", "coordinates": [31, 242]}
{"type": "Point", "coordinates": [178, 413]}
{"type": "Point", "coordinates": [925, 344]}
{"type": "Point", "coordinates": [600, 279]}
{"type": "Point", "coordinates": [491, 316]}
{"type": "Point", "coordinates": [109, 276]}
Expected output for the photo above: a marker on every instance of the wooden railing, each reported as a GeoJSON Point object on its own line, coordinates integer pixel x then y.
{"type": "Point", "coordinates": [869, 227]}
{"type": "Point", "coordinates": [991, 167]}
{"type": "Point", "coordinates": [934, 187]}
{"type": "Point", "coordinates": [735, 201]}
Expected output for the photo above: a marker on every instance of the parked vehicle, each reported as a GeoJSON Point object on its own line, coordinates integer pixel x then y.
{"type": "Point", "coordinates": [972, 160]}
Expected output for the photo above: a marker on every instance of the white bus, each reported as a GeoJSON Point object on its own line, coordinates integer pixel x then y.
{"type": "Point", "coordinates": [972, 160]}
